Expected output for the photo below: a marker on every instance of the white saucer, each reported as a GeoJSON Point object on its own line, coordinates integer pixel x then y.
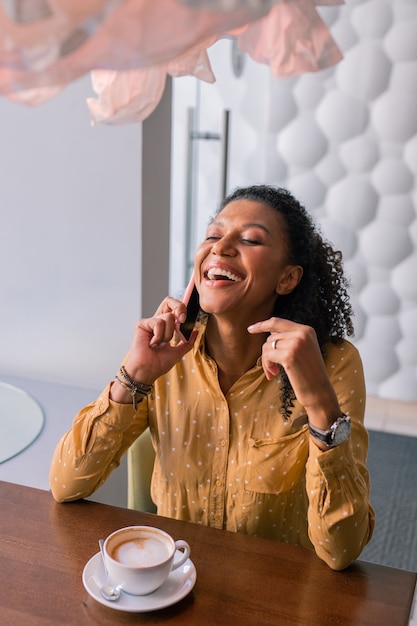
{"type": "Point", "coordinates": [175, 588]}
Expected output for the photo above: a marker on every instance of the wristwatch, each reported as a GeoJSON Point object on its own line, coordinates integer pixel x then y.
{"type": "Point", "coordinates": [338, 432]}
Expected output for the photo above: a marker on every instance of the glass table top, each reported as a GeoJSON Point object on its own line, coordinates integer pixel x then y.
{"type": "Point", "coordinates": [21, 421]}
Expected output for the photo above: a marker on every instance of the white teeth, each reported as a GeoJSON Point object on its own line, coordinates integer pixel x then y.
{"type": "Point", "coordinates": [213, 273]}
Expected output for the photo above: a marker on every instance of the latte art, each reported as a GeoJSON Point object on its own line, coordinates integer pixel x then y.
{"type": "Point", "coordinates": [141, 552]}
{"type": "Point", "coordinates": [140, 558]}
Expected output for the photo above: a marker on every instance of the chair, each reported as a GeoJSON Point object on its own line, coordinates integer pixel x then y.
{"type": "Point", "coordinates": [140, 462]}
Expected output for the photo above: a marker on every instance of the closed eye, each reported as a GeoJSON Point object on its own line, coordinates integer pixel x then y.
{"type": "Point", "coordinates": [251, 242]}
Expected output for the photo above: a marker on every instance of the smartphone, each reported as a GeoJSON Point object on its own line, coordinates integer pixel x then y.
{"type": "Point", "coordinates": [191, 299]}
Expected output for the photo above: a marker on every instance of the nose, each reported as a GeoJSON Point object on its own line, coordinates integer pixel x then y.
{"type": "Point", "coordinates": [224, 246]}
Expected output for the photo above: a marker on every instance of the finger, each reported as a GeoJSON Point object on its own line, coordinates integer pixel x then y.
{"type": "Point", "coordinates": [273, 324]}
{"type": "Point", "coordinates": [271, 370]}
{"type": "Point", "coordinates": [270, 358]}
{"type": "Point", "coordinates": [172, 305]}
{"type": "Point", "coordinates": [162, 329]}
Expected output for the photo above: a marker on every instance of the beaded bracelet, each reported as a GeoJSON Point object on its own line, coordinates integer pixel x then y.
{"type": "Point", "coordinates": [132, 386]}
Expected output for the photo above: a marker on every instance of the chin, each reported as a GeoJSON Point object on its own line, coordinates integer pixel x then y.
{"type": "Point", "coordinates": [209, 309]}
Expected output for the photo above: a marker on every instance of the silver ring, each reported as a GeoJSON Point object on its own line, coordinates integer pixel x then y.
{"type": "Point", "coordinates": [274, 344]}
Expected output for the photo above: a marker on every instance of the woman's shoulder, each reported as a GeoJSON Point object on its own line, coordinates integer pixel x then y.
{"type": "Point", "coordinates": [341, 351]}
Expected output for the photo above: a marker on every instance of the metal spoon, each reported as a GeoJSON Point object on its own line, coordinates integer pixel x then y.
{"type": "Point", "coordinates": [108, 590]}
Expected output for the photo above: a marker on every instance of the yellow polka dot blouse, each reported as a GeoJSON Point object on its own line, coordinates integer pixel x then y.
{"type": "Point", "coordinates": [232, 461]}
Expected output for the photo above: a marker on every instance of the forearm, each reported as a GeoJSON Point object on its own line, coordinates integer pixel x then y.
{"type": "Point", "coordinates": [93, 447]}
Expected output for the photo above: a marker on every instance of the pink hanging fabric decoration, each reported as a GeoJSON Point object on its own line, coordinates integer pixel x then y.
{"type": "Point", "coordinates": [131, 46]}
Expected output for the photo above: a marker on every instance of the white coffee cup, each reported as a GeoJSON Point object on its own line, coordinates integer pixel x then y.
{"type": "Point", "coordinates": [139, 559]}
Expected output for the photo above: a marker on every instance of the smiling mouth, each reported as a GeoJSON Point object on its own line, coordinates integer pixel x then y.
{"type": "Point", "coordinates": [220, 274]}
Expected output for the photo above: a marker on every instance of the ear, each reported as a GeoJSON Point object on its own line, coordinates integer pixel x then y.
{"type": "Point", "coordinates": [289, 279]}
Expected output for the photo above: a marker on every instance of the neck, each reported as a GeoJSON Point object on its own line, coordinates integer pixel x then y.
{"type": "Point", "coordinates": [233, 349]}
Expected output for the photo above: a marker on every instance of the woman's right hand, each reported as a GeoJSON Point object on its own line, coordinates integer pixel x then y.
{"type": "Point", "coordinates": [151, 354]}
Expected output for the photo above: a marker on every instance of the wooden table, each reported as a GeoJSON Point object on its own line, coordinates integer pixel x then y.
{"type": "Point", "coordinates": [241, 580]}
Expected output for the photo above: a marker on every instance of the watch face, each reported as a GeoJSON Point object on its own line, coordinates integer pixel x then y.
{"type": "Point", "coordinates": [341, 431]}
{"type": "Point", "coordinates": [337, 433]}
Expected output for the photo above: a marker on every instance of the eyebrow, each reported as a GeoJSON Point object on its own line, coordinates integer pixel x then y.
{"type": "Point", "coordinates": [247, 225]}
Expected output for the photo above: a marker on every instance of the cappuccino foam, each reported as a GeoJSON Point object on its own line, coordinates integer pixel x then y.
{"type": "Point", "coordinates": [143, 551]}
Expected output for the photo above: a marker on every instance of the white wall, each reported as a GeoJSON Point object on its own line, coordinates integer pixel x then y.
{"type": "Point", "coordinates": [69, 241]}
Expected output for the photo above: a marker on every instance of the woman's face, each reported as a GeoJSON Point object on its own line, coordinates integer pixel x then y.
{"type": "Point", "coordinates": [242, 265]}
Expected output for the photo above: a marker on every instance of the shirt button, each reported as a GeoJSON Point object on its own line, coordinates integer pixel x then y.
{"type": "Point", "coordinates": [217, 517]}
{"type": "Point", "coordinates": [219, 483]}
{"type": "Point", "coordinates": [223, 442]}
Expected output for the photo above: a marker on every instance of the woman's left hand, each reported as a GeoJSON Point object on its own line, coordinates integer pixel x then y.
{"type": "Point", "coordinates": [295, 347]}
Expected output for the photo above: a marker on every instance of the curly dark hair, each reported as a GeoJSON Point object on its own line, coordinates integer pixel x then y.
{"type": "Point", "coordinates": [321, 298]}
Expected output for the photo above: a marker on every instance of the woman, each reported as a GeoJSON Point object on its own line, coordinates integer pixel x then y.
{"type": "Point", "coordinates": [257, 421]}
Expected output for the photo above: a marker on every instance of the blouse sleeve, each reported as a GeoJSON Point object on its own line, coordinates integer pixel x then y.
{"type": "Point", "coordinates": [340, 517]}
{"type": "Point", "coordinates": [87, 454]}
